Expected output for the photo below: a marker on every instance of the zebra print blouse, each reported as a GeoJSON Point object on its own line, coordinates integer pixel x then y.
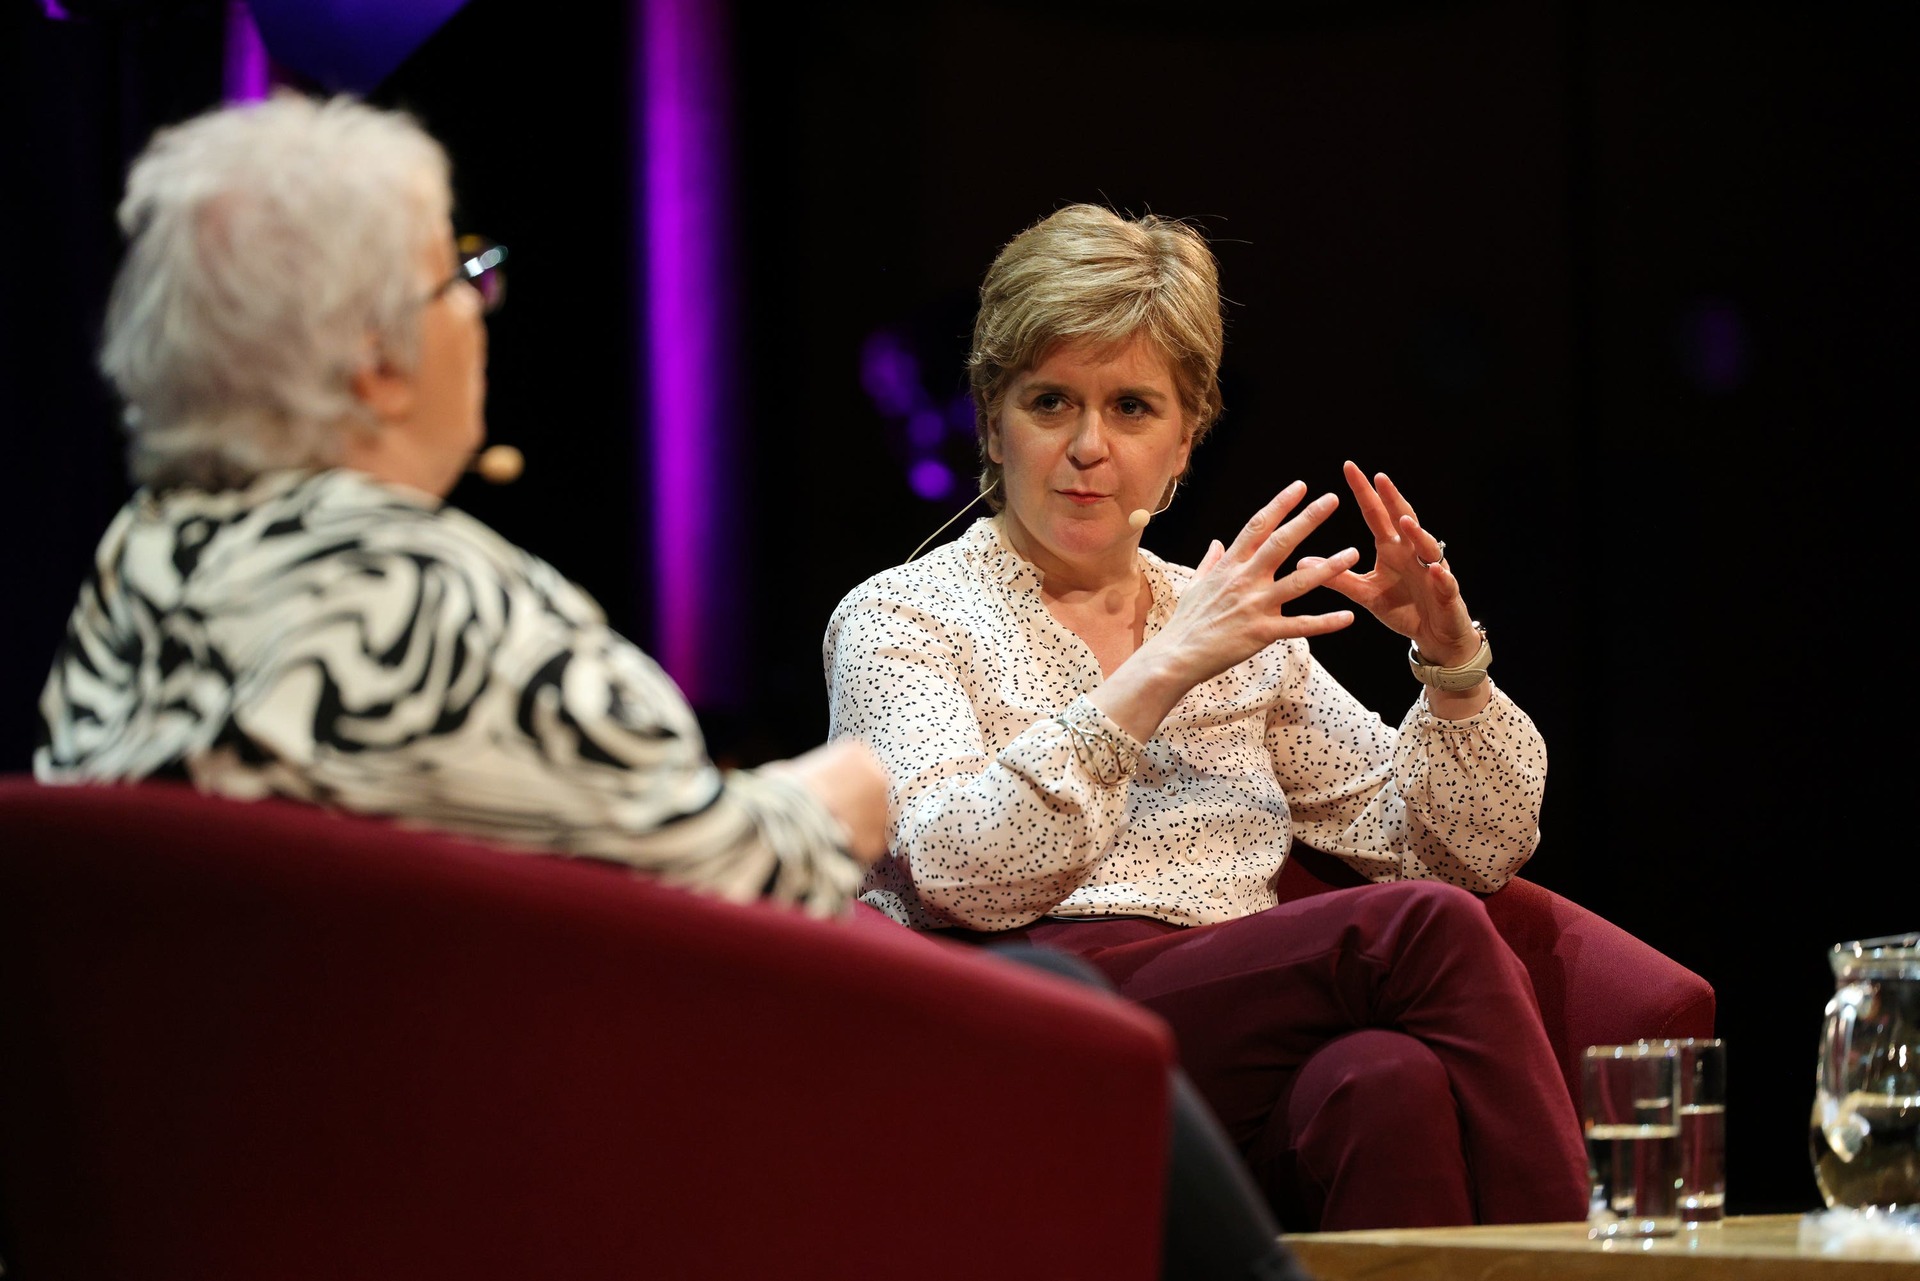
{"type": "Point", "coordinates": [326, 637]}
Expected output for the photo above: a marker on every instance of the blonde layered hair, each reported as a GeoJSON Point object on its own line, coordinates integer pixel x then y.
{"type": "Point", "coordinates": [1086, 274]}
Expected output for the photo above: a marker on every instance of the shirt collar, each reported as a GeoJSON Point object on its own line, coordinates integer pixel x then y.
{"type": "Point", "coordinates": [987, 540]}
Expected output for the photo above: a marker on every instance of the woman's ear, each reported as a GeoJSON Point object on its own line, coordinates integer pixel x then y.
{"type": "Point", "coordinates": [386, 390]}
{"type": "Point", "coordinates": [993, 441]}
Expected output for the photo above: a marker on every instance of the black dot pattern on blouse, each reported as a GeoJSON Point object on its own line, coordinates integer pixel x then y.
{"type": "Point", "coordinates": [954, 671]}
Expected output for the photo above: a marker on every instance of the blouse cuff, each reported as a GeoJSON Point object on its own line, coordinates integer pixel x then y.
{"type": "Point", "coordinates": [1106, 752]}
{"type": "Point", "coordinates": [1421, 715]}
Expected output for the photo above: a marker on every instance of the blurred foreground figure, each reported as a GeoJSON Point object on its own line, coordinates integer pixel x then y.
{"type": "Point", "coordinates": [286, 608]}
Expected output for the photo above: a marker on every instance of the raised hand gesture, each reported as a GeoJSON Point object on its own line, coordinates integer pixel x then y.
{"type": "Point", "coordinates": [1411, 587]}
{"type": "Point", "coordinates": [1235, 606]}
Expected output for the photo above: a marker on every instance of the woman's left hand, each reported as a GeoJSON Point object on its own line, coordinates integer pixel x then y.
{"type": "Point", "coordinates": [1410, 588]}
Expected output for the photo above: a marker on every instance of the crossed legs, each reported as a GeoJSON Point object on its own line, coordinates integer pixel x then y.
{"type": "Point", "coordinates": [1375, 1053]}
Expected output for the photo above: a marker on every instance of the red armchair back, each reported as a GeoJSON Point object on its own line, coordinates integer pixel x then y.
{"type": "Point", "coordinates": [258, 1040]}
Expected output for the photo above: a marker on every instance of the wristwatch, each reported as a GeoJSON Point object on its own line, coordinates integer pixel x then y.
{"type": "Point", "coordinates": [1465, 676]}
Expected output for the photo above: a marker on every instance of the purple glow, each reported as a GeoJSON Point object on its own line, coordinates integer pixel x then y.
{"type": "Point", "coordinates": [925, 429]}
{"type": "Point", "coordinates": [248, 73]}
{"type": "Point", "coordinates": [930, 480]}
{"type": "Point", "coordinates": [684, 128]}
{"type": "Point", "coordinates": [55, 10]}
{"type": "Point", "coordinates": [890, 374]}
{"type": "Point", "coordinates": [348, 45]}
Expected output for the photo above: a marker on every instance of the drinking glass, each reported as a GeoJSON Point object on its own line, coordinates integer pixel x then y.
{"type": "Point", "coordinates": [1632, 1124]}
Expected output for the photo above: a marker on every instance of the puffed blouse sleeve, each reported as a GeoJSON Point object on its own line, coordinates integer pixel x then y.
{"type": "Point", "coordinates": [450, 680]}
{"type": "Point", "coordinates": [1442, 800]}
{"type": "Point", "coordinates": [984, 836]}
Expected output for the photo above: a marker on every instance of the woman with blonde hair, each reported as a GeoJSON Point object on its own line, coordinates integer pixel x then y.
{"type": "Point", "coordinates": [1097, 751]}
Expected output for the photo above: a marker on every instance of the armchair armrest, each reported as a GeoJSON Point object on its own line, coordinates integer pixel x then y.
{"type": "Point", "coordinates": [1596, 984]}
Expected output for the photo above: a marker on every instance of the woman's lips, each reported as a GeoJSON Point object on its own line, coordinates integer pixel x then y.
{"type": "Point", "coordinates": [1081, 497]}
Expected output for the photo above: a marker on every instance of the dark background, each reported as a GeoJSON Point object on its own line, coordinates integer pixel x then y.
{"type": "Point", "coordinates": [1620, 293]}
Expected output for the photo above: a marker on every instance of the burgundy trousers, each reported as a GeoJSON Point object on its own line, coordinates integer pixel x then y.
{"type": "Point", "coordinates": [1376, 1053]}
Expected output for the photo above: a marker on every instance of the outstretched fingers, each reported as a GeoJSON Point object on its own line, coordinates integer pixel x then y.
{"type": "Point", "coordinates": [1286, 538]}
{"type": "Point", "coordinates": [1319, 624]}
{"type": "Point", "coordinates": [1255, 532]}
{"type": "Point", "coordinates": [1373, 509]}
{"type": "Point", "coordinates": [1396, 502]}
{"type": "Point", "coordinates": [1214, 554]}
{"type": "Point", "coordinates": [1430, 551]}
{"type": "Point", "coordinates": [1318, 571]}
{"type": "Point", "coordinates": [1310, 572]}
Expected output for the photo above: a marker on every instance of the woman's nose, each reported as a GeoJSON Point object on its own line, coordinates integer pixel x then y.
{"type": "Point", "coordinates": [1089, 443]}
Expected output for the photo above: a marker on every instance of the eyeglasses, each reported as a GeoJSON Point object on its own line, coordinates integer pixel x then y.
{"type": "Point", "coordinates": [480, 267]}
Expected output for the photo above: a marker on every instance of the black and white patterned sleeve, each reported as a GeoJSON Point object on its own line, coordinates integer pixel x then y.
{"type": "Point", "coordinates": [463, 685]}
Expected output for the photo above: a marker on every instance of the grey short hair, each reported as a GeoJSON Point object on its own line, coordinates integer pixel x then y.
{"type": "Point", "coordinates": [1086, 273]}
{"type": "Point", "coordinates": [267, 242]}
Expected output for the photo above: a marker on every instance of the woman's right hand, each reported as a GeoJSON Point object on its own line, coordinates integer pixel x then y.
{"type": "Point", "coordinates": [1234, 608]}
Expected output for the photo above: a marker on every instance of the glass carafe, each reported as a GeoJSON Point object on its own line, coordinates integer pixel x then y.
{"type": "Point", "coordinates": [1865, 1134]}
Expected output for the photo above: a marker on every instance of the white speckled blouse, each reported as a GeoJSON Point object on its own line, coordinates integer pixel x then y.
{"type": "Point", "coordinates": [952, 668]}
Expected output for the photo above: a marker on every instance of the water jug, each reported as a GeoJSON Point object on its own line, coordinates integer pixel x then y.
{"type": "Point", "coordinates": [1865, 1132]}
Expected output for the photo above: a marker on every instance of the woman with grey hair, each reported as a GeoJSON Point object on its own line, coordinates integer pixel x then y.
{"type": "Point", "coordinates": [285, 607]}
{"type": "Point", "coordinates": [1097, 751]}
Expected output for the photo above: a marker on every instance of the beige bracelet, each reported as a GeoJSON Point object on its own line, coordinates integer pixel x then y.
{"type": "Point", "coordinates": [1453, 679]}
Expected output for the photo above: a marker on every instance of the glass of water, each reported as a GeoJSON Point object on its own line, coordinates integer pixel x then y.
{"type": "Point", "coordinates": [1701, 1076]}
{"type": "Point", "coordinates": [1632, 1124]}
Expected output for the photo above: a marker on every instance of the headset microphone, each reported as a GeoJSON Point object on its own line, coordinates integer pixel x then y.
{"type": "Point", "coordinates": [1138, 518]}
{"type": "Point", "coordinates": [500, 464]}
{"type": "Point", "coordinates": [949, 520]}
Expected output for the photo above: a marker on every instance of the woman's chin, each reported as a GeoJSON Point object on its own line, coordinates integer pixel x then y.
{"type": "Point", "coordinates": [1094, 535]}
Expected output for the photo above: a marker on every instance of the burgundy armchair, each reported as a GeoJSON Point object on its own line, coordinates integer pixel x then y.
{"type": "Point", "coordinates": [1596, 983]}
{"type": "Point", "coordinates": [260, 1040]}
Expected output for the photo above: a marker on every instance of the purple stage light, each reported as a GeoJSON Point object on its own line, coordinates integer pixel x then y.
{"type": "Point", "coordinates": [348, 45]}
{"type": "Point", "coordinates": [248, 76]}
{"type": "Point", "coordinates": [930, 480]}
{"type": "Point", "coordinates": [890, 374]}
{"type": "Point", "coordinates": [926, 429]}
{"type": "Point", "coordinates": [684, 202]}
{"type": "Point", "coordinates": [55, 10]}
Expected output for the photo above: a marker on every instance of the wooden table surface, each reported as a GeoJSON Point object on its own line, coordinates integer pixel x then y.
{"type": "Point", "coordinates": [1755, 1248]}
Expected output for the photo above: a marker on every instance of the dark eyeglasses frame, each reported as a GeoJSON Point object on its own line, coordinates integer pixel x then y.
{"type": "Point", "coordinates": [480, 267]}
